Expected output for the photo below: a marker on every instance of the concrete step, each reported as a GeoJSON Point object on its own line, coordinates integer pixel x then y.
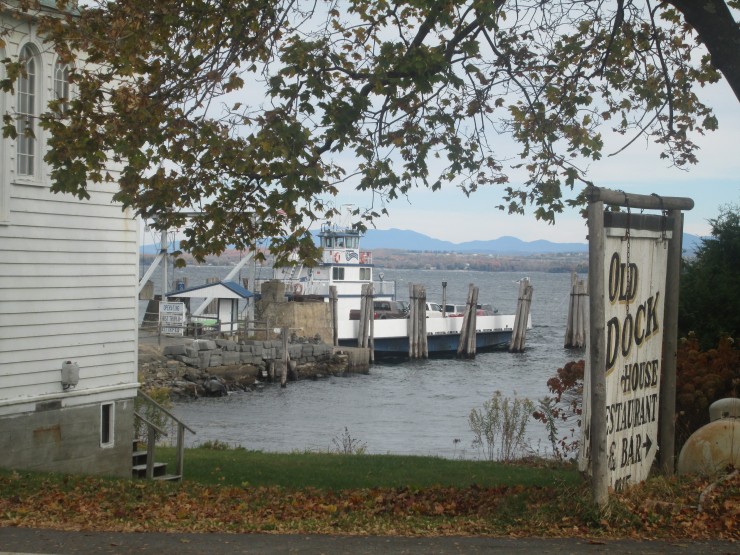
{"type": "Point", "coordinates": [169, 478]}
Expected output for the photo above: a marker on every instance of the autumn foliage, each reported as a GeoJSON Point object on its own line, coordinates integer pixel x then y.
{"type": "Point", "coordinates": [702, 378]}
{"type": "Point", "coordinates": [657, 509]}
{"type": "Point", "coordinates": [564, 407]}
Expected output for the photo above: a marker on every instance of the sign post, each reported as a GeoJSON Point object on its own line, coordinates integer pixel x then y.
{"type": "Point", "coordinates": [670, 346]}
{"type": "Point", "coordinates": [628, 255]}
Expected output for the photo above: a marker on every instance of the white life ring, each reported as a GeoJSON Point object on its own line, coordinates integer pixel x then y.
{"type": "Point", "coordinates": [363, 258]}
{"type": "Point", "coordinates": [298, 289]}
{"type": "Point", "coordinates": [337, 257]}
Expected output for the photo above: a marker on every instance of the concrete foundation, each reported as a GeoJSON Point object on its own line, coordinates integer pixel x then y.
{"type": "Point", "coordinates": [68, 440]}
{"type": "Point", "coordinates": [306, 319]}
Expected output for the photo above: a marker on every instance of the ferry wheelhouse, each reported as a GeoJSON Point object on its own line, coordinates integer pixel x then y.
{"type": "Point", "coordinates": [343, 265]}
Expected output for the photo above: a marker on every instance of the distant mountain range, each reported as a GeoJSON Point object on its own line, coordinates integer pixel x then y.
{"type": "Point", "coordinates": [406, 240]}
{"type": "Point", "coordinates": [402, 239]}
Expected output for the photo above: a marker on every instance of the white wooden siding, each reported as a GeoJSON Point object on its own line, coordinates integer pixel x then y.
{"type": "Point", "coordinates": [40, 307]}
{"type": "Point", "coordinates": [68, 280]}
{"type": "Point", "coordinates": [62, 333]}
{"type": "Point", "coordinates": [112, 354]}
{"type": "Point", "coordinates": [71, 317]}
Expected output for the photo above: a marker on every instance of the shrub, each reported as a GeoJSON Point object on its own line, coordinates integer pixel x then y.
{"type": "Point", "coordinates": [565, 406]}
{"type": "Point", "coordinates": [703, 377]}
{"type": "Point", "coordinates": [348, 445]}
{"type": "Point", "coordinates": [217, 445]}
{"type": "Point", "coordinates": [500, 426]}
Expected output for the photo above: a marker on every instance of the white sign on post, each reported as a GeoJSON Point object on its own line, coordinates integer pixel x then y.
{"type": "Point", "coordinates": [172, 318]}
{"type": "Point", "coordinates": [634, 285]}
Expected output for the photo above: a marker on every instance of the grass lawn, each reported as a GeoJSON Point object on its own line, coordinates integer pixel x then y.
{"type": "Point", "coordinates": [238, 467]}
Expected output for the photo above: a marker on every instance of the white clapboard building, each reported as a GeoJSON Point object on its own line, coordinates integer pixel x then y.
{"type": "Point", "coordinates": [68, 288]}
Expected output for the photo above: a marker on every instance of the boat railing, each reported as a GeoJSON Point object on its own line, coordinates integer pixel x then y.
{"type": "Point", "coordinates": [320, 288]}
{"type": "Point", "coordinates": [384, 288]}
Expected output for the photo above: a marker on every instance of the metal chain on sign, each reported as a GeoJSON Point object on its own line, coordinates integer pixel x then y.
{"type": "Point", "coordinates": [663, 221]}
{"type": "Point", "coordinates": [627, 237]}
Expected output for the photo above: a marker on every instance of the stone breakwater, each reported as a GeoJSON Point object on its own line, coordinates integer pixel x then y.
{"type": "Point", "coordinates": [204, 367]}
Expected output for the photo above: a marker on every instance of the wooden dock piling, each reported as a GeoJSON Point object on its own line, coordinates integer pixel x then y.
{"type": "Point", "coordinates": [519, 333]}
{"type": "Point", "coordinates": [285, 358]}
{"type": "Point", "coordinates": [333, 305]}
{"type": "Point", "coordinates": [367, 314]}
{"type": "Point", "coordinates": [466, 346]}
{"type": "Point", "coordinates": [412, 321]}
{"type": "Point", "coordinates": [575, 329]}
{"type": "Point", "coordinates": [424, 345]}
{"type": "Point", "coordinates": [417, 323]}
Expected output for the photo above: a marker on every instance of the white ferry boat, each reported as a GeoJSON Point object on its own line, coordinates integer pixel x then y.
{"type": "Point", "coordinates": [347, 267]}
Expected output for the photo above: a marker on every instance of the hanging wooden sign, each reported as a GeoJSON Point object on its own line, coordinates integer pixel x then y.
{"type": "Point", "coordinates": [630, 379]}
{"type": "Point", "coordinates": [634, 277]}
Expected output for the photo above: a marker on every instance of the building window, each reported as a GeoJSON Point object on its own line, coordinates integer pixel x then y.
{"type": "Point", "coordinates": [107, 424]}
{"type": "Point", "coordinates": [337, 274]}
{"type": "Point", "coordinates": [61, 85]}
{"type": "Point", "coordinates": [365, 274]}
{"type": "Point", "coordinates": [26, 112]}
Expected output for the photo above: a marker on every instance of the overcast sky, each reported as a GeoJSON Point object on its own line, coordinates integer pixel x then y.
{"type": "Point", "coordinates": [714, 181]}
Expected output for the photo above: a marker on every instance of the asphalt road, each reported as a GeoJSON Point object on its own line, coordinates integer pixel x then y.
{"type": "Point", "coordinates": [50, 542]}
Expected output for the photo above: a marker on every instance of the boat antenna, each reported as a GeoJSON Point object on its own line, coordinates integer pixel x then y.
{"type": "Point", "coordinates": [346, 211]}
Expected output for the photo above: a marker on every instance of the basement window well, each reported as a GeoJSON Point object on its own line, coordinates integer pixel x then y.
{"type": "Point", "coordinates": [107, 421]}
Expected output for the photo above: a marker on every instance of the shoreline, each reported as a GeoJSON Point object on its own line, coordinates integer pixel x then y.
{"type": "Point", "coordinates": [162, 365]}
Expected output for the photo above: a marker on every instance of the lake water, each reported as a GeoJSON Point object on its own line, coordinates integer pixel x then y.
{"type": "Point", "coordinates": [418, 407]}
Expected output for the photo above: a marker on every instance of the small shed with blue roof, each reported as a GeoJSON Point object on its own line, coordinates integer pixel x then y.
{"type": "Point", "coordinates": [226, 293]}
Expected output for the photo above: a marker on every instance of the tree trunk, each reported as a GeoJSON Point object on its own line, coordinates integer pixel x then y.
{"type": "Point", "coordinates": [714, 23]}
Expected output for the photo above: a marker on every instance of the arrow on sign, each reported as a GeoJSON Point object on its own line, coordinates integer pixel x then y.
{"type": "Point", "coordinates": [647, 445]}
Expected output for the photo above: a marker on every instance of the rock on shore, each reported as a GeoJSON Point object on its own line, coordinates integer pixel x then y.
{"type": "Point", "coordinates": [185, 376]}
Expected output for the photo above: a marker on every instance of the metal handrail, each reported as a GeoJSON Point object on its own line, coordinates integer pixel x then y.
{"type": "Point", "coordinates": [151, 443]}
{"type": "Point", "coordinates": [164, 410]}
{"type": "Point", "coordinates": [148, 423]}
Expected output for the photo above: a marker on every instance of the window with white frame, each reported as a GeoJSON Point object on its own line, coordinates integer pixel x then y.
{"type": "Point", "coordinates": [61, 84]}
{"type": "Point", "coordinates": [365, 274]}
{"type": "Point", "coordinates": [26, 112]}
{"type": "Point", "coordinates": [107, 424]}
{"type": "Point", "coordinates": [337, 274]}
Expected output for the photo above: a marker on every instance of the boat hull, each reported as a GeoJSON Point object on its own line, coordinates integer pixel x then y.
{"type": "Point", "coordinates": [436, 344]}
{"type": "Point", "coordinates": [443, 334]}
